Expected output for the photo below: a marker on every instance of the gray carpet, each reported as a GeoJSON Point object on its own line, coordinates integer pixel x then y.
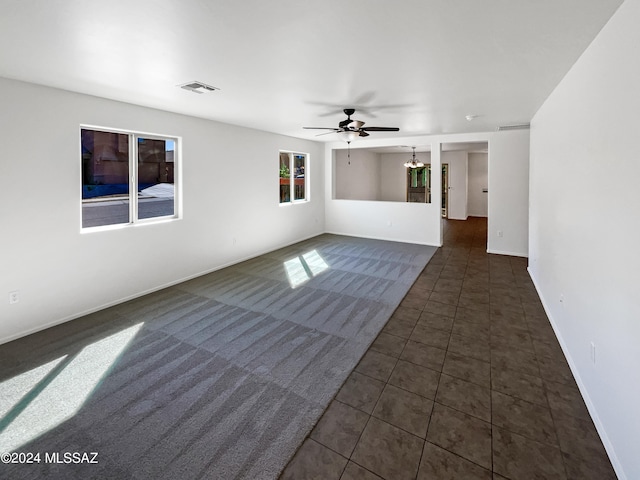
{"type": "Point", "coordinates": [220, 377]}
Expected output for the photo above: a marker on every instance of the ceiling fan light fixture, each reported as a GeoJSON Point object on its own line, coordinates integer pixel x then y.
{"type": "Point", "coordinates": [350, 135]}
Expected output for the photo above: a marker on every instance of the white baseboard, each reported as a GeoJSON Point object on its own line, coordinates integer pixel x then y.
{"type": "Point", "coordinates": [511, 254]}
{"type": "Point", "coordinates": [386, 239]}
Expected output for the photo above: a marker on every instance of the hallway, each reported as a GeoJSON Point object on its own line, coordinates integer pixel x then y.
{"type": "Point", "coordinates": [466, 381]}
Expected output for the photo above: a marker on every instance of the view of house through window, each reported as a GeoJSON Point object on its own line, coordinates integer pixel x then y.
{"type": "Point", "coordinates": [292, 177]}
{"type": "Point", "coordinates": [108, 170]}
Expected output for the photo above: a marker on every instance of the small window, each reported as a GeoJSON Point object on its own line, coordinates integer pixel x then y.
{"type": "Point", "coordinates": [109, 176]}
{"type": "Point", "coordinates": [419, 184]}
{"type": "Point", "coordinates": [293, 185]}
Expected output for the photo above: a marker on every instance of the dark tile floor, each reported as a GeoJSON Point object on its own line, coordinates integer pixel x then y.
{"type": "Point", "coordinates": [466, 381]}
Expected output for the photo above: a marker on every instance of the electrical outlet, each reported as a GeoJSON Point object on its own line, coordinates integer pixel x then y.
{"type": "Point", "coordinates": [562, 298]}
{"type": "Point", "coordinates": [14, 297]}
{"type": "Point", "coordinates": [593, 353]}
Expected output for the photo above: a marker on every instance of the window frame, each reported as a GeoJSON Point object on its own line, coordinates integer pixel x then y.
{"type": "Point", "coordinates": [292, 200]}
{"type": "Point", "coordinates": [133, 162]}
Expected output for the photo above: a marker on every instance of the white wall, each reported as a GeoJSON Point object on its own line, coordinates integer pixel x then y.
{"type": "Point", "coordinates": [62, 273]}
{"type": "Point", "coordinates": [457, 162]}
{"type": "Point", "coordinates": [477, 200]}
{"type": "Point", "coordinates": [357, 175]}
{"type": "Point", "coordinates": [509, 193]}
{"type": "Point", "coordinates": [585, 228]}
{"type": "Point", "coordinates": [393, 175]}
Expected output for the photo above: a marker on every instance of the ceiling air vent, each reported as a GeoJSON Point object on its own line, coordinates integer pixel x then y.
{"type": "Point", "coordinates": [198, 87]}
{"type": "Point", "coordinates": [518, 126]}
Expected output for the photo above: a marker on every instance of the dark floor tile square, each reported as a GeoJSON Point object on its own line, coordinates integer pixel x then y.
{"type": "Point", "coordinates": [469, 296]}
{"type": "Point", "coordinates": [413, 303]}
{"type": "Point", "coordinates": [470, 301]}
{"type": "Point", "coordinates": [361, 392]}
{"type": "Point", "coordinates": [339, 428]}
{"type": "Point", "coordinates": [513, 338]}
{"type": "Point", "coordinates": [440, 308]}
{"type": "Point", "coordinates": [376, 365]}
{"type": "Point", "coordinates": [525, 418]}
{"type": "Point", "coordinates": [461, 434]}
{"type": "Point", "coordinates": [388, 451]}
{"type": "Point", "coordinates": [520, 385]}
{"type": "Point", "coordinates": [511, 321]}
{"type": "Point", "coordinates": [592, 468]}
{"type": "Point", "coordinates": [430, 336]}
{"type": "Point", "coordinates": [419, 293]}
{"type": "Point", "coordinates": [556, 371]}
{"type": "Point", "coordinates": [513, 359]}
{"type": "Point", "coordinates": [425, 355]}
{"type": "Point", "coordinates": [440, 464]}
{"type": "Point", "coordinates": [465, 396]}
{"type": "Point", "coordinates": [515, 456]}
{"type": "Point", "coordinates": [314, 462]}
{"type": "Point", "coordinates": [448, 286]}
{"type": "Point", "coordinates": [388, 344]}
{"type": "Point", "coordinates": [439, 322]}
{"type": "Point", "coordinates": [578, 437]}
{"type": "Point", "coordinates": [482, 308]}
{"type": "Point", "coordinates": [452, 273]}
{"type": "Point", "coordinates": [566, 399]}
{"type": "Point", "coordinates": [444, 298]}
{"type": "Point", "coordinates": [407, 314]}
{"type": "Point", "coordinates": [356, 472]}
{"type": "Point", "coordinates": [426, 282]}
{"type": "Point", "coordinates": [513, 313]}
{"type": "Point", "coordinates": [399, 327]}
{"type": "Point", "coordinates": [467, 368]}
{"type": "Point", "coordinates": [468, 315]}
{"type": "Point", "coordinates": [470, 347]}
{"type": "Point", "coordinates": [415, 378]}
{"type": "Point", "coordinates": [404, 410]}
{"type": "Point", "coordinates": [475, 330]}
{"type": "Point", "coordinates": [548, 349]}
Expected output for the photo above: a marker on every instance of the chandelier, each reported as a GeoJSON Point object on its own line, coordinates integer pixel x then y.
{"type": "Point", "coordinates": [413, 163]}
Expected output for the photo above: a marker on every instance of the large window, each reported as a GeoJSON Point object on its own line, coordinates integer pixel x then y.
{"type": "Point", "coordinates": [127, 177]}
{"type": "Point", "coordinates": [293, 186]}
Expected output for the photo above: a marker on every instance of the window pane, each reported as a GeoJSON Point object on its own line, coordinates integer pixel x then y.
{"type": "Point", "coordinates": [105, 178]}
{"type": "Point", "coordinates": [299, 179]}
{"type": "Point", "coordinates": [417, 190]}
{"type": "Point", "coordinates": [285, 178]}
{"type": "Point", "coordinates": [155, 178]}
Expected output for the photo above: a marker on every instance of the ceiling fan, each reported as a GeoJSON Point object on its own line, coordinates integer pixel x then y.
{"type": "Point", "coordinates": [353, 129]}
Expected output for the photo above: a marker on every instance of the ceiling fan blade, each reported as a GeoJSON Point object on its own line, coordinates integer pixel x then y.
{"type": "Point", "coordinates": [321, 128]}
{"type": "Point", "coordinates": [381, 129]}
{"type": "Point", "coordinates": [327, 133]}
{"type": "Point", "coordinates": [363, 134]}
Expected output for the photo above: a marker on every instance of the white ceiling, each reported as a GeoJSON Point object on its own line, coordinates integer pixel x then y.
{"type": "Point", "coordinates": [421, 65]}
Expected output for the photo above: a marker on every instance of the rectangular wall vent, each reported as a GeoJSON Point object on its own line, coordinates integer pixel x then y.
{"type": "Point", "coordinates": [198, 87]}
{"type": "Point", "coordinates": [518, 126]}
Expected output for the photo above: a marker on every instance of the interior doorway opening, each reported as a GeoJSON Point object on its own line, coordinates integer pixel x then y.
{"type": "Point", "coordinates": [465, 189]}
